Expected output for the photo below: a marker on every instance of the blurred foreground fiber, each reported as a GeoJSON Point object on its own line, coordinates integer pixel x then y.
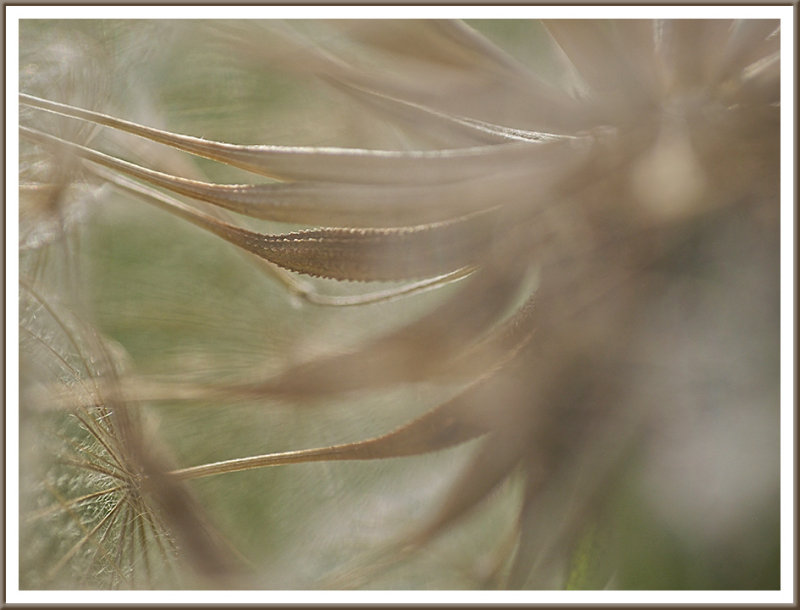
{"type": "Point", "coordinates": [399, 304]}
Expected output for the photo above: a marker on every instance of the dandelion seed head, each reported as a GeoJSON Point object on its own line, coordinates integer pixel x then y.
{"type": "Point", "coordinates": [368, 297]}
